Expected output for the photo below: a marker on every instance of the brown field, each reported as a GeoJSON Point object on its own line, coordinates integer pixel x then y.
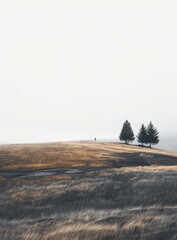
{"type": "Point", "coordinates": [80, 154]}
{"type": "Point", "coordinates": [117, 192]}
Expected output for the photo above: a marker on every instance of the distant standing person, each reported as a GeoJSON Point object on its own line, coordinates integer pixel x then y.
{"type": "Point", "coordinates": [95, 139]}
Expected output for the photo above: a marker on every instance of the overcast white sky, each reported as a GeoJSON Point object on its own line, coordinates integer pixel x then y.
{"type": "Point", "coordinates": [76, 69]}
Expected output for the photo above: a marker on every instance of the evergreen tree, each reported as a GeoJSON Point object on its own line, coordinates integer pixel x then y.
{"type": "Point", "coordinates": [142, 136]}
{"type": "Point", "coordinates": [126, 134]}
{"type": "Point", "coordinates": [153, 135]}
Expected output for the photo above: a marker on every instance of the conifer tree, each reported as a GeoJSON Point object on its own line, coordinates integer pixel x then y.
{"type": "Point", "coordinates": [153, 135]}
{"type": "Point", "coordinates": [126, 134]}
{"type": "Point", "coordinates": [142, 136]}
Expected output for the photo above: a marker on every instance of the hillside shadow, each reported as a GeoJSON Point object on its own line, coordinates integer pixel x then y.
{"type": "Point", "coordinates": [141, 159]}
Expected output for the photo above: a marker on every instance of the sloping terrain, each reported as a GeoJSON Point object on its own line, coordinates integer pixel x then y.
{"type": "Point", "coordinates": [80, 154]}
{"type": "Point", "coordinates": [87, 190]}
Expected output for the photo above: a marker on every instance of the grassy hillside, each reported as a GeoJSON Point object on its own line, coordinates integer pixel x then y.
{"type": "Point", "coordinates": [81, 154]}
{"type": "Point", "coordinates": [120, 192]}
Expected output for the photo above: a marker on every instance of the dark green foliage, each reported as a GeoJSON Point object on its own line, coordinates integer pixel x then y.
{"type": "Point", "coordinates": [126, 134]}
{"type": "Point", "coordinates": [153, 135]}
{"type": "Point", "coordinates": [142, 136]}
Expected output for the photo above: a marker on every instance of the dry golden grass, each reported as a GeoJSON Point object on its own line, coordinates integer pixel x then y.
{"type": "Point", "coordinates": [153, 168]}
{"type": "Point", "coordinates": [69, 154]}
{"type": "Point", "coordinates": [25, 196]}
{"type": "Point", "coordinates": [68, 231]}
{"type": "Point", "coordinates": [134, 197]}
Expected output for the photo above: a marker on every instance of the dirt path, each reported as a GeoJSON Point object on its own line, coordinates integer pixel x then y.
{"type": "Point", "coordinates": [39, 173]}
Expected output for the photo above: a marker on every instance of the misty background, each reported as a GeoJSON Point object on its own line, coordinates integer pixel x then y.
{"type": "Point", "coordinates": [72, 70]}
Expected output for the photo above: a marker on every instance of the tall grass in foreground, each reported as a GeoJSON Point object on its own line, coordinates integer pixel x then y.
{"type": "Point", "coordinates": [106, 204]}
